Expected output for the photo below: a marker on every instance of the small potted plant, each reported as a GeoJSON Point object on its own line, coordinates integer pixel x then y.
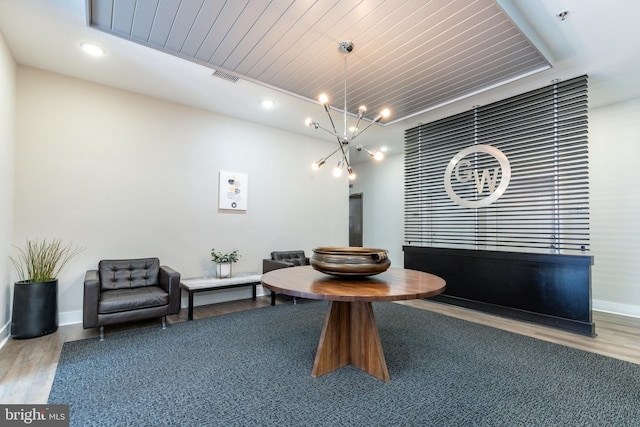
{"type": "Point", "coordinates": [223, 262]}
{"type": "Point", "coordinates": [35, 294]}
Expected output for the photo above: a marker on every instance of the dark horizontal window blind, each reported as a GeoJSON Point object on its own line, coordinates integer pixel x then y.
{"type": "Point", "coordinates": [543, 134]}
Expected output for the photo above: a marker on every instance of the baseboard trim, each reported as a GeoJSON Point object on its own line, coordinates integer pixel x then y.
{"type": "Point", "coordinates": [616, 308]}
{"type": "Point", "coordinates": [5, 333]}
{"type": "Point", "coordinates": [75, 317]}
{"type": "Point", "coordinates": [69, 317]}
{"type": "Point", "coordinates": [569, 325]}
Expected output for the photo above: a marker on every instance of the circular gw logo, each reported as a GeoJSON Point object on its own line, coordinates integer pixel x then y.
{"type": "Point", "coordinates": [475, 168]}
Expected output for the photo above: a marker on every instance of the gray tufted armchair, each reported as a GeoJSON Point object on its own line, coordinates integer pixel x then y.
{"type": "Point", "coordinates": [283, 259]}
{"type": "Point", "coordinates": [129, 289]}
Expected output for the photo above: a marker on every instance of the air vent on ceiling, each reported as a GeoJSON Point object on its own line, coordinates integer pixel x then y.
{"type": "Point", "coordinates": [225, 76]}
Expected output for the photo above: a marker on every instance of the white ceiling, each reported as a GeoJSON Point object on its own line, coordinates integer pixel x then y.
{"type": "Point", "coordinates": [598, 38]}
{"type": "Point", "coordinates": [409, 56]}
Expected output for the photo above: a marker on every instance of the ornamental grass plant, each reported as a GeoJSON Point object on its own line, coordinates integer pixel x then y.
{"type": "Point", "coordinates": [41, 260]}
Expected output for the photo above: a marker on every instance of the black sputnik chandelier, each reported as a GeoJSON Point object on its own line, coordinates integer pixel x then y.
{"type": "Point", "coordinates": [346, 47]}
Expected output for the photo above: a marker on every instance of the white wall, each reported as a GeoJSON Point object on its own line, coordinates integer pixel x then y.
{"type": "Point", "coordinates": [614, 139]}
{"type": "Point", "coordinates": [382, 188]}
{"type": "Point", "coordinates": [124, 175]}
{"type": "Point", "coordinates": [7, 141]}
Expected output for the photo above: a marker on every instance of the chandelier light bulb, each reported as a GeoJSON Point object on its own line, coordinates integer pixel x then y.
{"type": "Point", "coordinates": [352, 174]}
{"type": "Point", "coordinates": [362, 110]}
{"type": "Point", "coordinates": [383, 115]}
{"type": "Point", "coordinates": [324, 100]}
{"type": "Point", "coordinates": [337, 171]}
{"type": "Point", "coordinates": [378, 155]}
{"type": "Point", "coordinates": [312, 123]}
{"type": "Point", "coordinates": [317, 164]}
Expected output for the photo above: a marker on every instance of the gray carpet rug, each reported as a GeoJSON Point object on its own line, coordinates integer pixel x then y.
{"type": "Point", "coordinates": [253, 368]}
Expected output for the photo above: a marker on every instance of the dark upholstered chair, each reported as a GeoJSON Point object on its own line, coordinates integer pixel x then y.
{"type": "Point", "coordinates": [283, 259]}
{"type": "Point", "coordinates": [123, 290]}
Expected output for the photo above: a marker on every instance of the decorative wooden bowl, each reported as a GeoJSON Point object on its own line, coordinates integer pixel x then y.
{"type": "Point", "coordinates": [350, 261]}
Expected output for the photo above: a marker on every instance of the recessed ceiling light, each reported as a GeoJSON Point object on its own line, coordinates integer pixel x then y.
{"type": "Point", "coordinates": [92, 49]}
{"type": "Point", "coordinates": [384, 149]}
{"type": "Point", "coordinates": [268, 104]}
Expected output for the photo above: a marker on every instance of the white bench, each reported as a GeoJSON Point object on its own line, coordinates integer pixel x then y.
{"type": "Point", "coordinates": [204, 284]}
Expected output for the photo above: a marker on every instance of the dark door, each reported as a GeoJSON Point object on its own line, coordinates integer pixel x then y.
{"type": "Point", "coordinates": [355, 219]}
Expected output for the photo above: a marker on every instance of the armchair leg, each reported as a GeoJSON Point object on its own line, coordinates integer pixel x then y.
{"type": "Point", "coordinates": [101, 333]}
{"type": "Point", "coordinates": [164, 322]}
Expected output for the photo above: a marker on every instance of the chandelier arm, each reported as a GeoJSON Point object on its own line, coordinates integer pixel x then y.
{"type": "Point", "coordinates": [355, 128]}
{"type": "Point", "coordinates": [332, 153]}
{"type": "Point", "coordinates": [360, 133]}
{"type": "Point", "coordinates": [344, 156]}
{"type": "Point", "coordinates": [333, 125]}
{"type": "Point", "coordinates": [329, 132]}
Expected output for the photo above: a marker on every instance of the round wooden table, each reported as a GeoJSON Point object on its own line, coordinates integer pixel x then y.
{"type": "Point", "coordinates": [350, 333]}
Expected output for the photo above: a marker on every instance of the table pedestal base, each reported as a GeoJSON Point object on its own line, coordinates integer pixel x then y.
{"type": "Point", "coordinates": [350, 336]}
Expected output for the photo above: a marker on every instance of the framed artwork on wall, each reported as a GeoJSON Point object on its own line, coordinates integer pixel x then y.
{"type": "Point", "coordinates": [233, 191]}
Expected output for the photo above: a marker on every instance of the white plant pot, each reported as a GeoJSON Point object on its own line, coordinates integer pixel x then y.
{"type": "Point", "coordinates": [223, 270]}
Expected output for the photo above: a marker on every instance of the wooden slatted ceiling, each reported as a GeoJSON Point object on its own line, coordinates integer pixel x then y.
{"type": "Point", "coordinates": [410, 55]}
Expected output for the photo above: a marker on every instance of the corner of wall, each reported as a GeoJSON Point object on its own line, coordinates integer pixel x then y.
{"type": "Point", "coordinates": [8, 82]}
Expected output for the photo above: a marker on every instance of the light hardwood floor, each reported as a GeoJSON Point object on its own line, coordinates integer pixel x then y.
{"type": "Point", "coordinates": [27, 367]}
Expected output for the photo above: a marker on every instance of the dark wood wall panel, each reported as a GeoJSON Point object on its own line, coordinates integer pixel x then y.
{"type": "Point", "coordinates": [553, 290]}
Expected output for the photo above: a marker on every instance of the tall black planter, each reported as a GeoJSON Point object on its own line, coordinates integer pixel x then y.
{"type": "Point", "coordinates": [35, 309]}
